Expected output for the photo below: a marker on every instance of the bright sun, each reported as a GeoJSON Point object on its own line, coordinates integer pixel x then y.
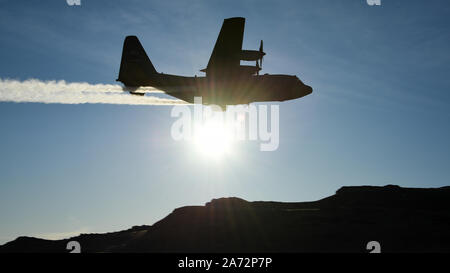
{"type": "Point", "coordinates": [213, 139]}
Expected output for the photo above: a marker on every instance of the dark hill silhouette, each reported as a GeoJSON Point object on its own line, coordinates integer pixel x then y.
{"type": "Point", "coordinates": [400, 219]}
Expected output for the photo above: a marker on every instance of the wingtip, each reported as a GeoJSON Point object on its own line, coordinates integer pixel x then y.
{"type": "Point", "coordinates": [234, 19]}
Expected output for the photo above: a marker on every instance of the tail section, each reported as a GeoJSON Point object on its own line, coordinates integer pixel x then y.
{"type": "Point", "coordinates": [135, 68]}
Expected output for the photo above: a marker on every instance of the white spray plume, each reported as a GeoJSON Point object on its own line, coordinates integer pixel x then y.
{"type": "Point", "coordinates": [34, 90]}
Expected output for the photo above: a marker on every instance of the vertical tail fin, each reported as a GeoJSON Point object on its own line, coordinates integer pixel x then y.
{"type": "Point", "coordinates": [135, 67]}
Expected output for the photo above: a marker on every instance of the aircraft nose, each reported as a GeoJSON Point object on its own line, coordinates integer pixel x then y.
{"type": "Point", "coordinates": [308, 89]}
{"type": "Point", "coordinates": [302, 89]}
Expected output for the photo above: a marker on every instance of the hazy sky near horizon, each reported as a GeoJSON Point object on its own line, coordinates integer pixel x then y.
{"type": "Point", "coordinates": [379, 113]}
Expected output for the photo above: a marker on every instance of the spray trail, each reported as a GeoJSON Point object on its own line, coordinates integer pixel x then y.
{"type": "Point", "coordinates": [34, 90]}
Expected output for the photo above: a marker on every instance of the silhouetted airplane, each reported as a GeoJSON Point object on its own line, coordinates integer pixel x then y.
{"type": "Point", "coordinates": [226, 82]}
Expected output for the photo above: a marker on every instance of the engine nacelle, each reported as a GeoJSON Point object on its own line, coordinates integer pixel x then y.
{"type": "Point", "coordinates": [251, 55]}
{"type": "Point", "coordinates": [249, 69]}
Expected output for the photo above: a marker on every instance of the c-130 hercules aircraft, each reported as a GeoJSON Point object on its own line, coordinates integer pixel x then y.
{"type": "Point", "coordinates": [226, 82]}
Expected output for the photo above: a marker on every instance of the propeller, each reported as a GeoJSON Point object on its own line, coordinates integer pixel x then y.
{"type": "Point", "coordinates": [257, 68]}
{"type": "Point", "coordinates": [261, 50]}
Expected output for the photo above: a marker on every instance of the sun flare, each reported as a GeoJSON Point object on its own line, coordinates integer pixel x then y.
{"type": "Point", "coordinates": [213, 138]}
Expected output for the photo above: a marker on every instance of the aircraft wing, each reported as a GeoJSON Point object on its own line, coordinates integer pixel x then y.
{"type": "Point", "coordinates": [225, 55]}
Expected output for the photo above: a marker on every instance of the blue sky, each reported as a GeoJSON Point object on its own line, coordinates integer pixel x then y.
{"type": "Point", "coordinates": [379, 113]}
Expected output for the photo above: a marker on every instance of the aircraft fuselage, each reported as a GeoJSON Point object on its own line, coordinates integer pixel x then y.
{"type": "Point", "coordinates": [239, 89]}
